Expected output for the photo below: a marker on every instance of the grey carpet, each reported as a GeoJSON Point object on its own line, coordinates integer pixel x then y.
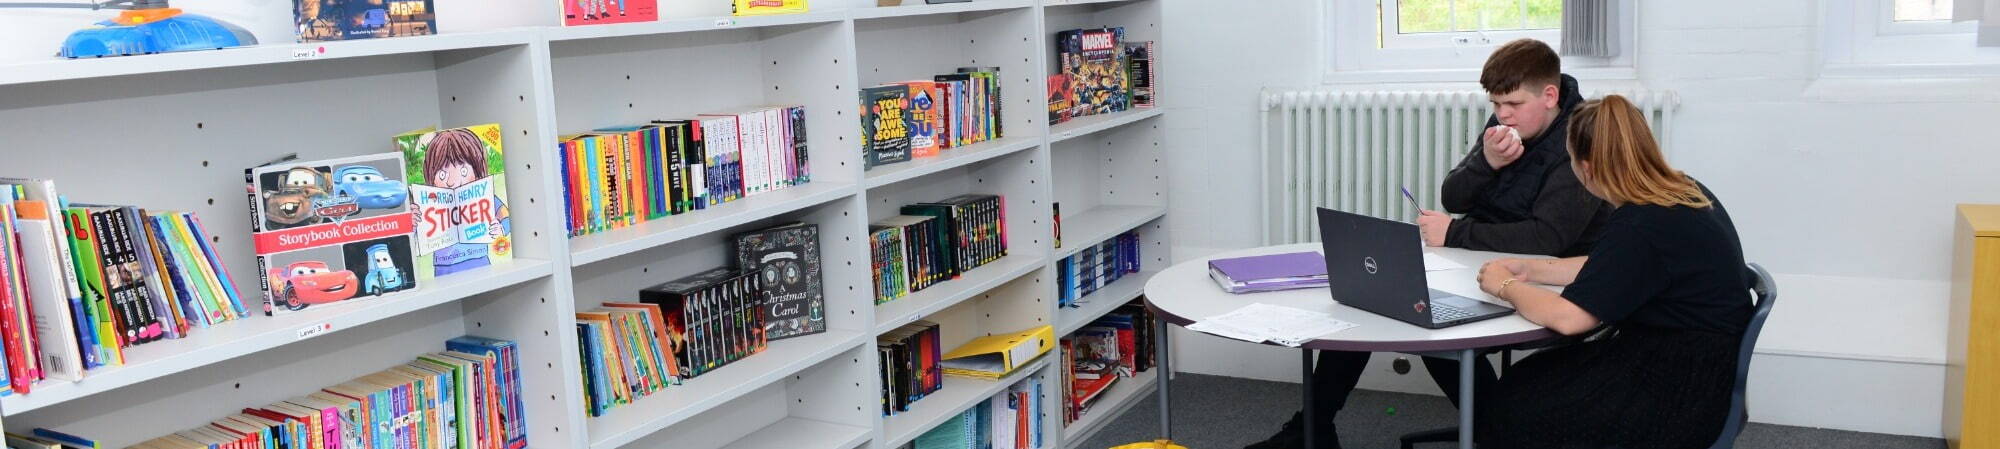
{"type": "Point", "coordinates": [1214, 412]}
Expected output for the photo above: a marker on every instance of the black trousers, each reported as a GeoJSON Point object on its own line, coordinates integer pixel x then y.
{"type": "Point", "coordinates": [1336, 373]}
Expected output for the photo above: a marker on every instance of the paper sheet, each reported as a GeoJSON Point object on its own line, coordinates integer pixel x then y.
{"type": "Point", "coordinates": [1434, 262]}
{"type": "Point", "coordinates": [1261, 322]}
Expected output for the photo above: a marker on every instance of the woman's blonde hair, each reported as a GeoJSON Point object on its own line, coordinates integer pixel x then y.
{"type": "Point", "coordinates": [1625, 161]}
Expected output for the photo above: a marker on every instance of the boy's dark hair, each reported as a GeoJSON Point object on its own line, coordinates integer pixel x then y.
{"type": "Point", "coordinates": [1522, 63]}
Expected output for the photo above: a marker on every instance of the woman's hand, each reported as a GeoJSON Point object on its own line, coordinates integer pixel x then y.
{"type": "Point", "coordinates": [1494, 277]}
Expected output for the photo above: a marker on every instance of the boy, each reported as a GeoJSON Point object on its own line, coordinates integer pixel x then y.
{"type": "Point", "coordinates": [1517, 194]}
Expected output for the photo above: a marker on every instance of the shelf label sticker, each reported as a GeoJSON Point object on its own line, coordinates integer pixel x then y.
{"type": "Point", "coordinates": [723, 23]}
{"type": "Point", "coordinates": [314, 330]}
{"type": "Point", "coordinates": [308, 53]}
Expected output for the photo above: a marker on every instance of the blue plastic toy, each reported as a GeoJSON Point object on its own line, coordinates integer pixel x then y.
{"type": "Point", "coordinates": [145, 27]}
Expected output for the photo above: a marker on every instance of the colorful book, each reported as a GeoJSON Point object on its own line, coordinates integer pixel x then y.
{"type": "Point", "coordinates": [459, 190]}
{"type": "Point", "coordinates": [322, 228]}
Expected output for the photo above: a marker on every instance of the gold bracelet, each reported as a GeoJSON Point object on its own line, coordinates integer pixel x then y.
{"type": "Point", "coordinates": [1503, 287]}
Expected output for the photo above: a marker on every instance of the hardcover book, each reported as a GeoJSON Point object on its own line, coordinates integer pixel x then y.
{"type": "Point", "coordinates": [599, 12]}
{"type": "Point", "coordinates": [1091, 60]}
{"type": "Point", "coordinates": [340, 20]}
{"type": "Point", "coordinates": [787, 261]}
{"type": "Point", "coordinates": [459, 190]}
{"type": "Point", "coordinates": [329, 231]}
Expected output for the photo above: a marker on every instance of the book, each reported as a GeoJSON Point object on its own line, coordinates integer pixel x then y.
{"type": "Point", "coordinates": [924, 117]}
{"type": "Point", "coordinates": [599, 12]}
{"type": "Point", "coordinates": [458, 186]}
{"type": "Point", "coordinates": [1090, 62]}
{"type": "Point", "coordinates": [1141, 71]}
{"type": "Point", "coordinates": [713, 318]}
{"type": "Point", "coordinates": [885, 125]}
{"type": "Point", "coordinates": [766, 7]}
{"type": "Point", "coordinates": [786, 258]}
{"type": "Point", "coordinates": [314, 231]}
{"type": "Point", "coordinates": [340, 20]}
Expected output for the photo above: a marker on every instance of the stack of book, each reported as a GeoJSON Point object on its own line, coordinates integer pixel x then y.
{"type": "Point", "coordinates": [1269, 272]}
{"type": "Point", "coordinates": [1100, 73]}
{"type": "Point", "coordinates": [618, 177]}
{"type": "Point", "coordinates": [917, 119]}
{"type": "Point", "coordinates": [1008, 420]}
{"type": "Point", "coordinates": [81, 283]}
{"type": "Point", "coordinates": [1096, 266]}
{"type": "Point", "coordinates": [1117, 345]}
{"type": "Point", "coordinates": [627, 354]}
{"type": "Point", "coordinates": [694, 325]}
{"type": "Point", "coordinates": [466, 397]}
{"type": "Point", "coordinates": [910, 370]}
{"type": "Point", "coordinates": [935, 242]}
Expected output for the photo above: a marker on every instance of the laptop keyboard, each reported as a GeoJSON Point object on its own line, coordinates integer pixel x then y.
{"type": "Point", "coordinates": [1441, 313]}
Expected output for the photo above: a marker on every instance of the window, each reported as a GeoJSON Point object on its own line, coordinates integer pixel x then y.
{"type": "Point", "coordinates": [1445, 23]}
{"type": "Point", "coordinates": [1899, 38]}
{"type": "Point", "coordinates": [1448, 40]}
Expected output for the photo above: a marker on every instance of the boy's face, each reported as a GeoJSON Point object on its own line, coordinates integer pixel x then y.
{"type": "Point", "coordinates": [1528, 110]}
{"type": "Point", "coordinates": [452, 176]}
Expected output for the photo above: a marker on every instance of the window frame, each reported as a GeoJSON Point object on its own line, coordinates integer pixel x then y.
{"type": "Point", "coordinates": [1350, 53]}
{"type": "Point", "coordinates": [1863, 40]}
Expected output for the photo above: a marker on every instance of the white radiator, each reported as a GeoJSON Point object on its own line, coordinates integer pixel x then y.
{"type": "Point", "coordinates": [1354, 150]}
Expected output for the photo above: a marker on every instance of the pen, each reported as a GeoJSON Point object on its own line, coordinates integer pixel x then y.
{"type": "Point", "coordinates": [1412, 198]}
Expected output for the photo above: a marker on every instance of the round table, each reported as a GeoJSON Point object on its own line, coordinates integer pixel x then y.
{"type": "Point", "coordinates": [1184, 293]}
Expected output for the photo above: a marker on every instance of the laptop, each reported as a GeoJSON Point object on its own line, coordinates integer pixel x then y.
{"type": "Point", "coordinates": [1377, 265]}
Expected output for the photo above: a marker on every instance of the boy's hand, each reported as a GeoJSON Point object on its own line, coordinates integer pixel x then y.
{"type": "Point", "coordinates": [1500, 146]}
{"type": "Point", "coordinates": [1433, 225]}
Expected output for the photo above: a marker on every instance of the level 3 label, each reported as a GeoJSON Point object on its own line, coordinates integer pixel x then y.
{"type": "Point", "coordinates": [314, 330]}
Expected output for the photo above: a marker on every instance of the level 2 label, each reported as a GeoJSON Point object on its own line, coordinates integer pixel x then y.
{"type": "Point", "coordinates": [720, 23]}
{"type": "Point", "coordinates": [308, 53]}
{"type": "Point", "coordinates": [314, 330]}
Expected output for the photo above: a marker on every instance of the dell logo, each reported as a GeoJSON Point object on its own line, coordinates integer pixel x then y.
{"type": "Point", "coordinates": [1368, 263]}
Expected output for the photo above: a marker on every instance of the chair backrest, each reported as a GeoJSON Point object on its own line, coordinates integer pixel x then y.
{"type": "Point", "coordinates": [1765, 291]}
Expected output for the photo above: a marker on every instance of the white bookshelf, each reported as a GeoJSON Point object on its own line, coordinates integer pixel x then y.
{"type": "Point", "coordinates": [174, 132]}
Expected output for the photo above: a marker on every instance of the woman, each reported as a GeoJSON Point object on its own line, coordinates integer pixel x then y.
{"type": "Point", "coordinates": [1665, 290]}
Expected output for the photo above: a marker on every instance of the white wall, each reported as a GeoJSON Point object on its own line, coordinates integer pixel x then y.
{"type": "Point", "coordinates": [1844, 188]}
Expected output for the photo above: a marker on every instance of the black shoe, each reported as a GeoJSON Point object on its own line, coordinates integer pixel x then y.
{"type": "Point", "coordinates": [1291, 436]}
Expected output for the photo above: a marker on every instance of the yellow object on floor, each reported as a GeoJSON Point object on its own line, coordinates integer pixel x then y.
{"type": "Point", "coordinates": [1155, 444]}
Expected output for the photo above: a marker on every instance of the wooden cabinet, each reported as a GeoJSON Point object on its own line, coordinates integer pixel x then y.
{"type": "Point", "coordinates": [1972, 354]}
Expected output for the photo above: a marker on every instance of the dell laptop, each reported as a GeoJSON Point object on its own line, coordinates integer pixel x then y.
{"type": "Point", "coordinates": [1378, 265]}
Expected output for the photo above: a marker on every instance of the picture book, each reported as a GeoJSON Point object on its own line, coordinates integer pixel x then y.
{"type": "Point", "coordinates": [1091, 61]}
{"type": "Point", "coordinates": [767, 7]}
{"type": "Point", "coordinates": [340, 20]}
{"type": "Point", "coordinates": [885, 124]}
{"type": "Point", "coordinates": [329, 231]}
{"type": "Point", "coordinates": [599, 12]}
{"type": "Point", "coordinates": [459, 190]}
{"type": "Point", "coordinates": [787, 260]}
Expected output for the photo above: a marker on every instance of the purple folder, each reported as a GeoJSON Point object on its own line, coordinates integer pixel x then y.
{"type": "Point", "coordinates": [1269, 272]}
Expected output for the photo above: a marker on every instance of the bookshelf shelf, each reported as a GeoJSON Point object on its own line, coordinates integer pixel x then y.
{"type": "Point", "coordinates": [917, 8]}
{"type": "Point", "coordinates": [1084, 126]}
{"type": "Point", "coordinates": [1100, 223]}
{"type": "Point", "coordinates": [511, 65]}
{"type": "Point", "coordinates": [958, 395]}
{"type": "Point", "coordinates": [948, 159]}
{"type": "Point", "coordinates": [780, 360]}
{"type": "Point", "coordinates": [221, 343]}
{"type": "Point", "coordinates": [605, 245]}
{"type": "Point", "coordinates": [1089, 308]}
{"type": "Point", "coordinates": [72, 69]}
{"type": "Point", "coordinates": [683, 25]}
{"type": "Point", "coordinates": [1114, 401]}
{"type": "Point", "coordinates": [893, 314]}
{"type": "Point", "coordinates": [800, 433]}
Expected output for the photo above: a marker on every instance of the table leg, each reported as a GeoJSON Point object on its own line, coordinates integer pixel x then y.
{"type": "Point", "coordinates": [1465, 359]}
{"type": "Point", "coordinates": [1164, 372]}
{"type": "Point", "coordinates": [1306, 405]}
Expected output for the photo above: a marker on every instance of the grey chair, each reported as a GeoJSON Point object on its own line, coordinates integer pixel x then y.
{"type": "Point", "coordinates": [1765, 291]}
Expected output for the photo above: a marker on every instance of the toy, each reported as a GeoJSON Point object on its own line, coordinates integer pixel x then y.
{"type": "Point", "coordinates": [146, 27]}
{"type": "Point", "coordinates": [312, 282]}
{"type": "Point", "coordinates": [383, 275]}
{"type": "Point", "coordinates": [368, 187]}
